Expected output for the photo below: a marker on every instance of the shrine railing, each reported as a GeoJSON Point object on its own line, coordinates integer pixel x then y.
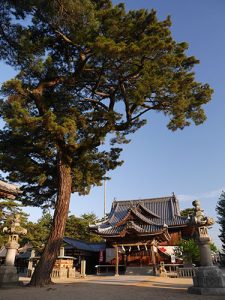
{"type": "Point", "coordinates": [186, 272]}
{"type": "Point", "coordinates": [177, 270]}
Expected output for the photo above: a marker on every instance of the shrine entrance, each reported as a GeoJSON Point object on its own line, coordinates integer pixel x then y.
{"type": "Point", "coordinates": [136, 257]}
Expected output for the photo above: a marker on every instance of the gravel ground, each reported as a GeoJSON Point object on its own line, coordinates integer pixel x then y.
{"type": "Point", "coordinates": [108, 287]}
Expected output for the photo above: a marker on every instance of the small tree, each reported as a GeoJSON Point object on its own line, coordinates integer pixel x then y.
{"type": "Point", "coordinates": [188, 250]}
{"type": "Point", "coordinates": [77, 227]}
{"type": "Point", "coordinates": [213, 248]}
{"type": "Point", "coordinates": [220, 209]}
{"type": "Point", "coordinates": [86, 70]}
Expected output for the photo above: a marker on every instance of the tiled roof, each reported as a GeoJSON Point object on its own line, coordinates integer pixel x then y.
{"type": "Point", "coordinates": [81, 245]}
{"type": "Point", "coordinates": [146, 216]}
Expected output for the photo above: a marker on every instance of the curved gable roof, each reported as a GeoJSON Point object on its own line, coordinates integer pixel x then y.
{"type": "Point", "coordinates": [152, 213]}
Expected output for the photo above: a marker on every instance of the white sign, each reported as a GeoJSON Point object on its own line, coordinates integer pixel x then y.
{"type": "Point", "coordinates": [173, 258]}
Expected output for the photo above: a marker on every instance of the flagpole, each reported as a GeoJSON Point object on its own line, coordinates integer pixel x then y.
{"type": "Point", "coordinates": [104, 198]}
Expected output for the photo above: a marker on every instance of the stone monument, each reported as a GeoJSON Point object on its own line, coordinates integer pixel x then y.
{"type": "Point", "coordinates": [209, 279]}
{"type": "Point", "coordinates": [8, 272]}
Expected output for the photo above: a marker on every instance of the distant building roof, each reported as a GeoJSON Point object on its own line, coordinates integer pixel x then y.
{"type": "Point", "coordinates": [8, 190]}
{"type": "Point", "coordinates": [81, 245]}
{"type": "Point", "coordinates": [23, 252]}
{"type": "Point", "coordinates": [146, 217]}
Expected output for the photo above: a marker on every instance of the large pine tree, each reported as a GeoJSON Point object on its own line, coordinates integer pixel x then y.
{"type": "Point", "coordinates": [86, 69]}
{"type": "Point", "coordinates": [220, 209]}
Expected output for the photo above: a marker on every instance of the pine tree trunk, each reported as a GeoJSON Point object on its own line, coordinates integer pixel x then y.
{"type": "Point", "coordinates": [42, 273]}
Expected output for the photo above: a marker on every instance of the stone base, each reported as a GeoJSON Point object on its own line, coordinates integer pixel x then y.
{"type": "Point", "coordinates": [206, 291]}
{"type": "Point", "coordinates": [8, 275]}
{"type": "Point", "coordinates": [208, 281]}
{"type": "Point", "coordinates": [61, 273]}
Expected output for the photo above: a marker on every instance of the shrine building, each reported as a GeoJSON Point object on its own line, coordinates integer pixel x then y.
{"type": "Point", "coordinates": [141, 233]}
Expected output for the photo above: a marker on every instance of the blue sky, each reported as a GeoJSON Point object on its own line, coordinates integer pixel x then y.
{"type": "Point", "coordinates": [190, 162]}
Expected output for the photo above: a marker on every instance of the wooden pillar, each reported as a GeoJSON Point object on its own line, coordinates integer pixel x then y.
{"type": "Point", "coordinates": [153, 258]}
{"type": "Point", "coordinates": [125, 260]}
{"type": "Point", "coordinates": [117, 261]}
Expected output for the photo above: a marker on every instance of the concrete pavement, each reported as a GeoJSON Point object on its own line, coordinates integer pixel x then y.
{"type": "Point", "coordinates": [108, 288]}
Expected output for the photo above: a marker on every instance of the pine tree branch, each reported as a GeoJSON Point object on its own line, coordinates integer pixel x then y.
{"type": "Point", "coordinates": [65, 38]}
{"type": "Point", "coordinates": [126, 101]}
{"type": "Point", "coordinates": [112, 102]}
{"type": "Point", "coordinates": [48, 83]}
{"type": "Point", "coordinates": [140, 114]}
{"type": "Point", "coordinates": [97, 102]}
{"type": "Point", "coordinates": [102, 94]}
{"type": "Point", "coordinates": [38, 92]}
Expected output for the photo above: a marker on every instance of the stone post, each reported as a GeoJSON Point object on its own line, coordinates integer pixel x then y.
{"type": "Point", "coordinates": [83, 268]}
{"type": "Point", "coordinates": [62, 251]}
{"type": "Point", "coordinates": [117, 261]}
{"type": "Point", "coordinates": [209, 279]}
{"type": "Point", "coordinates": [30, 268]}
{"type": "Point", "coordinates": [8, 272]}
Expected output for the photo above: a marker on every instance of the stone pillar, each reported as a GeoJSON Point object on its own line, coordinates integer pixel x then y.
{"type": "Point", "coordinates": [83, 268]}
{"type": "Point", "coordinates": [8, 272]}
{"type": "Point", "coordinates": [204, 248]}
{"type": "Point", "coordinates": [209, 279]}
{"type": "Point", "coordinates": [30, 268]}
{"type": "Point", "coordinates": [61, 251]}
{"type": "Point", "coordinates": [12, 247]}
{"type": "Point", "coordinates": [117, 261]}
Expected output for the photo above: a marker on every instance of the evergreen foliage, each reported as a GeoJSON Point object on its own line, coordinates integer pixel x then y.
{"type": "Point", "coordinates": [220, 209]}
{"type": "Point", "coordinates": [38, 232]}
{"type": "Point", "coordinates": [8, 209]}
{"type": "Point", "coordinates": [86, 69]}
{"type": "Point", "coordinates": [77, 228]}
{"type": "Point", "coordinates": [189, 251]}
{"type": "Point", "coordinates": [213, 248]}
{"type": "Point", "coordinates": [187, 212]}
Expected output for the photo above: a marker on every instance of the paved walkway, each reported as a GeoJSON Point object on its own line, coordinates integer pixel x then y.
{"type": "Point", "coordinates": [108, 288]}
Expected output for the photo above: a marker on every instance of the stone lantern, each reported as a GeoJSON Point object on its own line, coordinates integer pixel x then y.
{"type": "Point", "coordinates": [209, 279]}
{"type": "Point", "coordinates": [8, 272]}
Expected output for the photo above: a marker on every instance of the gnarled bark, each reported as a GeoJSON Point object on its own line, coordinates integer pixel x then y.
{"type": "Point", "coordinates": [42, 273]}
